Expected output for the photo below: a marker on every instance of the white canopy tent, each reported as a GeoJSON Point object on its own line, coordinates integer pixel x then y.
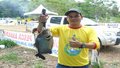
{"type": "Point", "coordinates": [38, 10]}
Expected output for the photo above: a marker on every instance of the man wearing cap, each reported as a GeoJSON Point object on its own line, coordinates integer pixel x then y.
{"type": "Point", "coordinates": [75, 40]}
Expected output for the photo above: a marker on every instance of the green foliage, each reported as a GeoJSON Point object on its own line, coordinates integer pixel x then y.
{"type": "Point", "coordinates": [10, 58]}
{"type": "Point", "coordinates": [116, 19]}
{"type": "Point", "coordinates": [8, 43]}
{"type": "Point", "coordinates": [54, 5]}
{"type": "Point", "coordinates": [99, 10]}
{"type": "Point", "coordinates": [94, 9]}
{"type": "Point", "coordinates": [87, 10]}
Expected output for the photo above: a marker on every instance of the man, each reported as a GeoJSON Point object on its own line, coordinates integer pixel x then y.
{"type": "Point", "coordinates": [75, 40]}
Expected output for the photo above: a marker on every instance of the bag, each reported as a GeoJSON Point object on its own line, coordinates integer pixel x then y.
{"type": "Point", "coordinates": [95, 62]}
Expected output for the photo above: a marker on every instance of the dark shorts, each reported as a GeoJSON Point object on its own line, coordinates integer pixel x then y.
{"type": "Point", "coordinates": [63, 66]}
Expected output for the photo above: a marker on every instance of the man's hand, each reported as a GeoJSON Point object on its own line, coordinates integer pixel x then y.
{"type": "Point", "coordinates": [43, 18]}
{"type": "Point", "coordinates": [75, 44]}
{"type": "Point", "coordinates": [34, 30]}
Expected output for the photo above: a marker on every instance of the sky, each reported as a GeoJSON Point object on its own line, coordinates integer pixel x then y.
{"type": "Point", "coordinates": [118, 2]}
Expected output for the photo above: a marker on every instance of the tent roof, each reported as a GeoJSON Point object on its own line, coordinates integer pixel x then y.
{"type": "Point", "coordinates": [38, 10]}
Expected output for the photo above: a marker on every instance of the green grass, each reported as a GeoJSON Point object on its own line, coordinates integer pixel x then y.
{"type": "Point", "coordinates": [98, 65]}
{"type": "Point", "coordinates": [10, 58]}
{"type": "Point", "coordinates": [38, 64]}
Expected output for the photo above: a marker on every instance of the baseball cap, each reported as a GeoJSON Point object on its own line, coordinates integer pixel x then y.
{"type": "Point", "coordinates": [72, 10]}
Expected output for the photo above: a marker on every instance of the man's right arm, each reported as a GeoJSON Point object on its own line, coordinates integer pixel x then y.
{"type": "Point", "coordinates": [42, 20]}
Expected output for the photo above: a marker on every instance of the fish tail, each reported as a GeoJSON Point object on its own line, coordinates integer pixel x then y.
{"type": "Point", "coordinates": [40, 56]}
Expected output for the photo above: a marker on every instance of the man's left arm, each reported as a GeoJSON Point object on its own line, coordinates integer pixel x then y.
{"type": "Point", "coordinates": [93, 41]}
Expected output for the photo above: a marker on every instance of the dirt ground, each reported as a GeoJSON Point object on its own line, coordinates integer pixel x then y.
{"type": "Point", "coordinates": [29, 60]}
{"type": "Point", "coordinates": [21, 28]}
{"type": "Point", "coordinates": [110, 56]}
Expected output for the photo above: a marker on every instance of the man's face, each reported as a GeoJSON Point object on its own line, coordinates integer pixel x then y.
{"type": "Point", "coordinates": [74, 18]}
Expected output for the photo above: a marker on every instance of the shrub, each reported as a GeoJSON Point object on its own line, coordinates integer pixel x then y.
{"type": "Point", "coordinates": [8, 43]}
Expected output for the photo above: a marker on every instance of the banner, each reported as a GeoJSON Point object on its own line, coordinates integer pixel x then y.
{"type": "Point", "coordinates": [28, 40]}
{"type": "Point", "coordinates": [24, 39]}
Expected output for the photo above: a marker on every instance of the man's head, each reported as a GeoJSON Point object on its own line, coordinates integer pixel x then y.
{"type": "Point", "coordinates": [73, 10]}
{"type": "Point", "coordinates": [74, 16]}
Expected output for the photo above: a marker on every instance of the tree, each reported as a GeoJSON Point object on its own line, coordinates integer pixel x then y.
{"type": "Point", "coordinates": [54, 5]}
{"type": "Point", "coordinates": [95, 9]}
{"type": "Point", "coordinates": [99, 9]}
{"type": "Point", "coordinates": [8, 9]}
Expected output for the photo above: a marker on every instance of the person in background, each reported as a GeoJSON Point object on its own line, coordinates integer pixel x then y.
{"type": "Point", "coordinates": [75, 41]}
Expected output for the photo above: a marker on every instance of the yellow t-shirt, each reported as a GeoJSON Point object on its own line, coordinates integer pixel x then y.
{"type": "Point", "coordinates": [74, 56]}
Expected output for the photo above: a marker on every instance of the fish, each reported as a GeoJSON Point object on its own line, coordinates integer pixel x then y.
{"type": "Point", "coordinates": [44, 43]}
{"type": "Point", "coordinates": [44, 39]}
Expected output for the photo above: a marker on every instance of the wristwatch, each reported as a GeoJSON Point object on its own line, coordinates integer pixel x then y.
{"type": "Point", "coordinates": [83, 45]}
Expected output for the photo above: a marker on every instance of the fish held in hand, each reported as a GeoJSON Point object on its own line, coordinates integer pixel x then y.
{"type": "Point", "coordinates": [44, 43]}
